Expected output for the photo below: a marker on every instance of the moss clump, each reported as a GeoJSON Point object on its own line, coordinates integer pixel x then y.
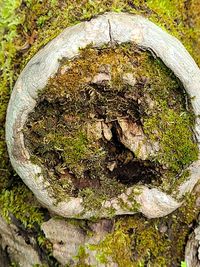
{"type": "Point", "coordinates": [136, 241]}
{"type": "Point", "coordinates": [74, 147]}
{"type": "Point", "coordinates": [69, 138]}
{"type": "Point", "coordinates": [115, 247]}
{"type": "Point", "coordinates": [81, 257]}
{"type": "Point", "coordinates": [67, 142]}
{"type": "Point", "coordinates": [19, 202]}
{"type": "Point", "coordinates": [173, 132]}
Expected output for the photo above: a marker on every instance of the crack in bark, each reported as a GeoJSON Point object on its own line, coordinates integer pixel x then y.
{"type": "Point", "coordinates": [110, 33]}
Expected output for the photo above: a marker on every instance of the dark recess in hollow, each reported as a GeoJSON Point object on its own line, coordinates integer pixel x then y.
{"type": "Point", "coordinates": [134, 171]}
{"type": "Point", "coordinates": [125, 172]}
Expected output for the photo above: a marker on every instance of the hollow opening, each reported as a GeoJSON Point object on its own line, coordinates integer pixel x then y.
{"type": "Point", "coordinates": [129, 170]}
{"type": "Point", "coordinates": [102, 122]}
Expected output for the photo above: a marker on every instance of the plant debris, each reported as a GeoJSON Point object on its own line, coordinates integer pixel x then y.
{"type": "Point", "coordinates": [97, 124]}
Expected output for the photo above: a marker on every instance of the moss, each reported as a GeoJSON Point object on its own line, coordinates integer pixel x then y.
{"type": "Point", "coordinates": [81, 257]}
{"type": "Point", "coordinates": [37, 22]}
{"type": "Point", "coordinates": [90, 196]}
{"type": "Point", "coordinates": [177, 147]}
{"type": "Point", "coordinates": [173, 131]}
{"type": "Point", "coordinates": [115, 247]}
{"type": "Point", "coordinates": [135, 206]}
{"type": "Point", "coordinates": [47, 248]}
{"type": "Point", "coordinates": [66, 138]}
{"type": "Point", "coordinates": [69, 104]}
{"type": "Point", "coordinates": [8, 32]}
{"type": "Point", "coordinates": [14, 264]}
{"type": "Point", "coordinates": [137, 241]}
{"type": "Point", "coordinates": [74, 147]}
{"type": "Point", "coordinates": [20, 203]}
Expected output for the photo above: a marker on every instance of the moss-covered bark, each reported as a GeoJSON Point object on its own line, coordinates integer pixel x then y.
{"type": "Point", "coordinates": [66, 132]}
{"type": "Point", "coordinates": [25, 26]}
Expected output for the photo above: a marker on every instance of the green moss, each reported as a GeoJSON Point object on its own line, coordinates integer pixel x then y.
{"type": "Point", "coordinates": [14, 264]}
{"type": "Point", "coordinates": [90, 196]}
{"type": "Point", "coordinates": [46, 246]}
{"type": "Point", "coordinates": [172, 130]}
{"type": "Point", "coordinates": [136, 241]}
{"type": "Point", "coordinates": [177, 150]}
{"type": "Point", "coordinates": [115, 247]}
{"type": "Point", "coordinates": [81, 257]}
{"type": "Point", "coordinates": [48, 18]}
{"type": "Point", "coordinates": [68, 136]}
{"type": "Point", "coordinates": [60, 138]}
{"type": "Point", "coordinates": [8, 32]}
{"type": "Point", "coordinates": [75, 147]}
{"type": "Point", "coordinates": [175, 16]}
{"type": "Point", "coordinates": [19, 202]}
